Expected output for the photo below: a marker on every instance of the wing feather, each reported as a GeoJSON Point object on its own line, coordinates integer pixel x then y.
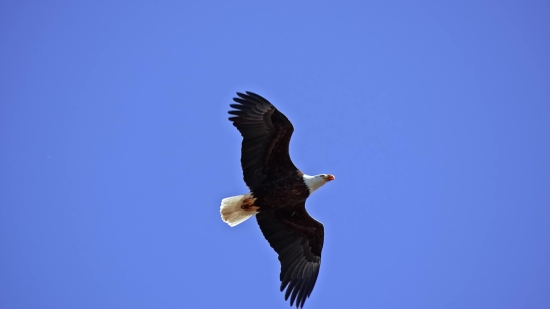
{"type": "Point", "coordinates": [298, 240]}
{"type": "Point", "coordinates": [266, 136]}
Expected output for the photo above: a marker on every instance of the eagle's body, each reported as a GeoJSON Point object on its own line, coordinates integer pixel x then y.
{"type": "Point", "coordinates": [278, 192]}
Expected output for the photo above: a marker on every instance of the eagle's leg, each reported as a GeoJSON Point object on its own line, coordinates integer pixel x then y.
{"type": "Point", "coordinates": [248, 204]}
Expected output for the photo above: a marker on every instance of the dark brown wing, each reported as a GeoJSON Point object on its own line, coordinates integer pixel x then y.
{"type": "Point", "coordinates": [298, 239]}
{"type": "Point", "coordinates": [266, 135]}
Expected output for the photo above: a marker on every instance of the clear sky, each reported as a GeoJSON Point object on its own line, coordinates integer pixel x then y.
{"type": "Point", "coordinates": [116, 151]}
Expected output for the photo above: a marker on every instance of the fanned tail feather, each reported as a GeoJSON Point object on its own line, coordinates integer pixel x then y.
{"type": "Point", "coordinates": [232, 212]}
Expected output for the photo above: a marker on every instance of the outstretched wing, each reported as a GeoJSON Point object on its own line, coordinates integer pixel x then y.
{"type": "Point", "coordinates": [298, 240]}
{"type": "Point", "coordinates": [266, 135]}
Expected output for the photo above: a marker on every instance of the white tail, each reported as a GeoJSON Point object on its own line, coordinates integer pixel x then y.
{"type": "Point", "coordinates": [232, 212]}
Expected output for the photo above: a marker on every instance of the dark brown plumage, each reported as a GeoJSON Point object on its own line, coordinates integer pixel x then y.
{"type": "Point", "coordinates": [266, 136]}
{"type": "Point", "coordinates": [278, 194]}
{"type": "Point", "coordinates": [298, 239]}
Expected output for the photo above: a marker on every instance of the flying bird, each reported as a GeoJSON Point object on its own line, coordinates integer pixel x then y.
{"type": "Point", "coordinates": [278, 193]}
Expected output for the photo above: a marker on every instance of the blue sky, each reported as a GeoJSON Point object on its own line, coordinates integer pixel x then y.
{"type": "Point", "coordinates": [116, 151]}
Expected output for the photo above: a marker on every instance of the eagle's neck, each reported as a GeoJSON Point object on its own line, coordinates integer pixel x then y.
{"type": "Point", "coordinates": [313, 182]}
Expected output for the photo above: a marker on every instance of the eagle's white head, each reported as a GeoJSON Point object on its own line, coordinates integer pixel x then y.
{"type": "Point", "coordinates": [315, 182]}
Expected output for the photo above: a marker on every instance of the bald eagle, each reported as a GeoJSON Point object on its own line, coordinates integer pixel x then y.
{"type": "Point", "coordinates": [278, 193]}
